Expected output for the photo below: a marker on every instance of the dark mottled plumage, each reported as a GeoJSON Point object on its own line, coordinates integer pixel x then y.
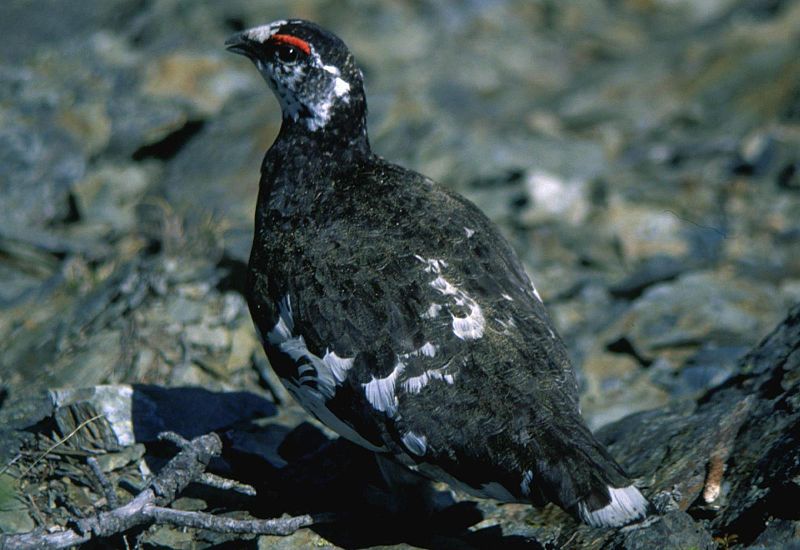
{"type": "Point", "coordinates": [397, 314]}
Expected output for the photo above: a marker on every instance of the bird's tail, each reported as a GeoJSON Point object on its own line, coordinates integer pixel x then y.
{"type": "Point", "coordinates": [576, 472]}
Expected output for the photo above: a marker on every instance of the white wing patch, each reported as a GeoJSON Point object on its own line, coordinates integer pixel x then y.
{"type": "Point", "coordinates": [325, 372]}
{"type": "Point", "coordinates": [414, 384]}
{"type": "Point", "coordinates": [337, 365]}
{"type": "Point", "coordinates": [433, 311]}
{"type": "Point", "coordinates": [507, 324]}
{"type": "Point", "coordinates": [380, 392]}
{"type": "Point", "coordinates": [317, 377]}
{"type": "Point", "coordinates": [282, 330]}
{"type": "Point", "coordinates": [469, 327]}
{"type": "Point", "coordinates": [427, 349]}
{"type": "Point", "coordinates": [443, 285]}
{"type": "Point", "coordinates": [432, 265]}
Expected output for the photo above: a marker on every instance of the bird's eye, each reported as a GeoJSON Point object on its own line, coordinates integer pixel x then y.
{"type": "Point", "coordinates": [286, 54]}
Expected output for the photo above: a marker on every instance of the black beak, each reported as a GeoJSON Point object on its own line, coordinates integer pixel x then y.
{"type": "Point", "coordinates": [239, 43]}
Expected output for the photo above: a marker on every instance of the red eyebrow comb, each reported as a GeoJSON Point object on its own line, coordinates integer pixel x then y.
{"type": "Point", "coordinates": [292, 41]}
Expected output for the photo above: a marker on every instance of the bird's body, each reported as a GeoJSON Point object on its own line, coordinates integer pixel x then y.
{"type": "Point", "coordinates": [395, 312]}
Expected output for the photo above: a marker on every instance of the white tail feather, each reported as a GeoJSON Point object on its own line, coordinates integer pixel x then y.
{"type": "Point", "coordinates": [627, 505]}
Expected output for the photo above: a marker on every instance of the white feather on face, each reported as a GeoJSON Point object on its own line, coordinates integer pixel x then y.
{"type": "Point", "coordinates": [307, 90]}
{"type": "Point", "coordinates": [264, 32]}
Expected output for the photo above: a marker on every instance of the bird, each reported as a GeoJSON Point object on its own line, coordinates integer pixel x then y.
{"type": "Point", "coordinates": [394, 311]}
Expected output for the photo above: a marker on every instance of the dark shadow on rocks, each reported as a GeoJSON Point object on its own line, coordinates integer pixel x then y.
{"type": "Point", "coordinates": [324, 475]}
{"type": "Point", "coordinates": [299, 471]}
{"type": "Point", "coordinates": [171, 144]}
{"type": "Point", "coordinates": [191, 412]}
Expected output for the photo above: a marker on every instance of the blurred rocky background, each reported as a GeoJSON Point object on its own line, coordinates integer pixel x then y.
{"type": "Point", "coordinates": [642, 156]}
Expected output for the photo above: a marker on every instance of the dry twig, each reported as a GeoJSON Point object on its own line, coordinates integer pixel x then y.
{"type": "Point", "coordinates": [150, 505]}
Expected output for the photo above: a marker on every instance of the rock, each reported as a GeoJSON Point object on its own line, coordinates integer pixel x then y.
{"type": "Point", "coordinates": [208, 82]}
{"type": "Point", "coordinates": [644, 232]}
{"type": "Point", "coordinates": [14, 514]}
{"type": "Point", "coordinates": [714, 453]}
{"type": "Point", "coordinates": [676, 530]}
{"type": "Point", "coordinates": [215, 175]}
{"type": "Point", "coordinates": [703, 307]}
{"type": "Point", "coordinates": [40, 163]}
{"type": "Point", "coordinates": [214, 338]}
{"type": "Point", "coordinates": [652, 270]}
{"type": "Point", "coordinates": [552, 197]}
{"type": "Point", "coordinates": [304, 538]}
{"type": "Point", "coordinates": [108, 195]}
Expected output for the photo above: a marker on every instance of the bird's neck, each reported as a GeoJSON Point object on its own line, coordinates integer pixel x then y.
{"type": "Point", "coordinates": [340, 140]}
{"type": "Point", "coordinates": [303, 166]}
{"type": "Point", "coordinates": [333, 130]}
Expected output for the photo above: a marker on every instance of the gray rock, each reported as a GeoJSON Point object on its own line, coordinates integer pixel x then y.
{"type": "Point", "coordinates": [675, 530]}
{"type": "Point", "coordinates": [703, 307]}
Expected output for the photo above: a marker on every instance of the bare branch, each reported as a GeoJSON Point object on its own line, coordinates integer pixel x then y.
{"type": "Point", "coordinates": [201, 520]}
{"type": "Point", "coordinates": [108, 489]}
{"type": "Point", "coordinates": [150, 504]}
{"type": "Point", "coordinates": [218, 482]}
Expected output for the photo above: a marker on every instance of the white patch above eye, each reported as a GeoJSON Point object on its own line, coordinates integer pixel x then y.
{"type": "Point", "coordinates": [417, 444]}
{"type": "Point", "coordinates": [380, 392]}
{"type": "Point", "coordinates": [263, 33]}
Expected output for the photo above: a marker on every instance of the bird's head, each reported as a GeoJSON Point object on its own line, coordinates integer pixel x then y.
{"type": "Point", "coordinates": [311, 71]}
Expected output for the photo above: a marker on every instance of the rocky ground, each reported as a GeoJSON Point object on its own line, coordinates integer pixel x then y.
{"type": "Point", "coordinates": [642, 156]}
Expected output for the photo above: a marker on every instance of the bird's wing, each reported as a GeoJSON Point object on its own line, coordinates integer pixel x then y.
{"type": "Point", "coordinates": [405, 319]}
